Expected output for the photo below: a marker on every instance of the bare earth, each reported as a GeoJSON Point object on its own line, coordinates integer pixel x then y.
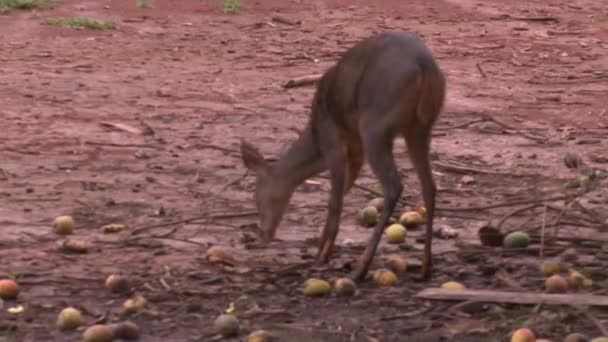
{"type": "Point", "coordinates": [527, 83]}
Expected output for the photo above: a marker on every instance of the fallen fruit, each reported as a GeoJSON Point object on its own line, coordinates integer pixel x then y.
{"type": "Point", "coordinates": [516, 240]}
{"type": "Point", "coordinates": [385, 277]}
{"type": "Point", "coordinates": [227, 325]}
{"type": "Point", "coordinates": [490, 236]}
{"type": "Point", "coordinates": [69, 318]}
{"type": "Point", "coordinates": [368, 216]}
{"type": "Point", "coordinates": [587, 283]}
{"type": "Point", "coordinates": [396, 264]}
{"type": "Point", "coordinates": [542, 340]}
{"type": "Point", "coordinates": [127, 331]}
{"type": "Point", "coordinates": [600, 339]}
{"type": "Point", "coordinates": [133, 305]}
{"type": "Point", "coordinates": [550, 268]}
{"type": "Point", "coordinates": [98, 333]}
{"type": "Point", "coordinates": [113, 228]}
{"type": "Point", "coordinates": [261, 336]}
{"type": "Point", "coordinates": [421, 210]}
{"type": "Point", "coordinates": [345, 287]}
{"type": "Point", "coordinates": [556, 284]}
{"type": "Point", "coordinates": [8, 289]}
{"type": "Point", "coordinates": [453, 285]}
{"type": "Point", "coordinates": [63, 225]}
{"type": "Point", "coordinates": [315, 287]}
{"type": "Point", "coordinates": [523, 335]}
{"type": "Point", "coordinates": [576, 337]}
{"type": "Point", "coordinates": [395, 233]}
{"type": "Point", "coordinates": [411, 219]}
{"type": "Point", "coordinates": [117, 283]}
{"type": "Point", "coordinates": [575, 279]}
{"type": "Point", "coordinates": [219, 254]}
{"type": "Point", "coordinates": [74, 246]}
{"type": "Point", "coordinates": [377, 203]}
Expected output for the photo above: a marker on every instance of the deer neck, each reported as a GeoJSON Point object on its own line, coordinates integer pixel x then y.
{"type": "Point", "coordinates": [301, 161]}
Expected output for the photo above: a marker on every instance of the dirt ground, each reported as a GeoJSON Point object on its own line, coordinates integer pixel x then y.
{"type": "Point", "coordinates": [527, 83]}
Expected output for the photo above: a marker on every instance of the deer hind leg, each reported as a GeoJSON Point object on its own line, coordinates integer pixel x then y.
{"type": "Point", "coordinates": [418, 144]}
{"type": "Point", "coordinates": [377, 136]}
{"type": "Point", "coordinates": [334, 149]}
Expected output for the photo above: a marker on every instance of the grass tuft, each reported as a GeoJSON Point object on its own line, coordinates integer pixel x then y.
{"type": "Point", "coordinates": [231, 6]}
{"type": "Point", "coordinates": [80, 22]}
{"type": "Point", "coordinates": [9, 5]}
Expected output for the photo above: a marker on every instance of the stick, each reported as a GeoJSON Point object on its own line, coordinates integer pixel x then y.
{"type": "Point", "coordinates": [195, 218]}
{"type": "Point", "coordinates": [483, 73]}
{"type": "Point", "coordinates": [302, 81]}
{"type": "Point", "coordinates": [95, 143]}
{"type": "Point", "coordinates": [542, 231]}
{"type": "Point", "coordinates": [507, 204]}
{"type": "Point", "coordinates": [282, 20]}
{"type": "Point", "coordinates": [491, 296]}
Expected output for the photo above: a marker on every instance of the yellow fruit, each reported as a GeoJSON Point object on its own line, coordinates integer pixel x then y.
{"type": "Point", "coordinates": [453, 285]}
{"type": "Point", "coordinates": [587, 283]}
{"type": "Point", "coordinates": [575, 279]}
{"type": "Point", "coordinates": [420, 210]}
{"type": "Point", "coordinates": [74, 246]}
{"type": "Point", "coordinates": [227, 325]}
{"type": "Point", "coordinates": [117, 283]}
{"type": "Point", "coordinates": [261, 336]}
{"type": "Point", "coordinates": [314, 287]}
{"type": "Point", "coordinates": [550, 268]}
{"type": "Point", "coordinates": [411, 219]}
{"type": "Point", "coordinates": [385, 277]}
{"type": "Point", "coordinates": [523, 335]}
{"type": "Point", "coordinates": [127, 331]}
{"type": "Point", "coordinates": [576, 337]}
{"type": "Point", "coordinates": [395, 233]}
{"type": "Point", "coordinates": [600, 339]}
{"type": "Point", "coordinates": [556, 284]}
{"type": "Point", "coordinates": [396, 264]}
{"type": "Point", "coordinates": [219, 254]}
{"type": "Point", "coordinates": [542, 340]}
{"type": "Point", "coordinates": [69, 318]}
{"type": "Point", "coordinates": [63, 225]}
{"type": "Point", "coordinates": [133, 305]}
{"type": "Point", "coordinates": [345, 287]}
{"type": "Point", "coordinates": [113, 228]}
{"type": "Point", "coordinates": [368, 216]}
{"type": "Point", "coordinates": [98, 333]}
{"type": "Point", "coordinates": [8, 289]}
{"type": "Point", "coordinates": [377, 203]}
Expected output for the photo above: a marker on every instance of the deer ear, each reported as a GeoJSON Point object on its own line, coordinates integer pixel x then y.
{"type": "Point", "coordinates": [252, 158]}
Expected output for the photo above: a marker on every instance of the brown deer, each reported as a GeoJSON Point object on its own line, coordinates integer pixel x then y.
{"type": "Point", "coordinates": [387, 85]}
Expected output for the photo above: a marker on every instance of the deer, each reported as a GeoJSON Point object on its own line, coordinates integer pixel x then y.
{"type": "Point", "coordinates": [386, 86]}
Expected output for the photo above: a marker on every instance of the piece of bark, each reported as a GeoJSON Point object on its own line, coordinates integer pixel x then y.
{"type": "Point", "coordinates": [280, 19]}
{"type": "Point", "coordinates": [302, 81]}
{"type": "Point", "coordinates": [122, 127]}
{"type": "Point", "coordinates": [492, 296]}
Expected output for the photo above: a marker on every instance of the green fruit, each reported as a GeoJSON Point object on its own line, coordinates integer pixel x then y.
{"type": "Point", "coordinates": [516, 240]}
{"type": "Point", "coordinates": [368, 216]}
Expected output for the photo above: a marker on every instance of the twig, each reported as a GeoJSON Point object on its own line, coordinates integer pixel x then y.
{"type": "Point", "coordinates": [282, 20]}
{"type": "Point", "coordinates": [302, 81]}
{"type": "Point", "coordinates": [195, 218]}
{"type": "Point", "coordinates": [514, 212]}
{"type": "Point", "coordinates": [542, 232]}
{"type": "Point", "coordinates": [483, 73]}
{"type": "Point", "coordinates": [508, 204]}
{"type": "Point", "coordinates": [593, 320]}
{"type": "Point", "coordinates": [466, 169]}
{"type": "Point", "coordinates": [96, 143]}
